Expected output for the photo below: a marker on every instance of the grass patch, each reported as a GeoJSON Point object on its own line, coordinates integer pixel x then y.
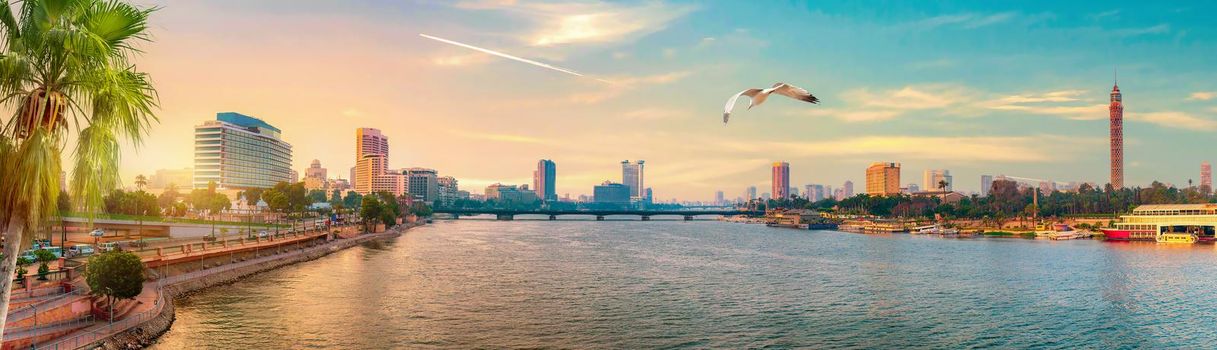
{"type": "Point", "coordinates": [998, 233]}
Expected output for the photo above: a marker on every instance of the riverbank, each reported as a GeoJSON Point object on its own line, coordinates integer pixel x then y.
{"type": "Point", "coordinates": [146, 332]}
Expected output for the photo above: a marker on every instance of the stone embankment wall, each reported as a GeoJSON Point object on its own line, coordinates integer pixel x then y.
{"type": "Point", "coordinates": [146, 333]}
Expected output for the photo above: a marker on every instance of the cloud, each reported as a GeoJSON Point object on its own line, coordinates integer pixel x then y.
{"type": "Point", "coordinates": [1157, 29]}
{"type": "Point", "coordinates": [1051, 96]}
{"type": "Point", "coordinates": [462, 60]}
{"type": "Point", "coordinates": [1012, 149]}
{"type": "Point", "coordinates": [1202, 95]}
{"type": "Point", "coordinates": [502, 137]}
{"type": "Point", "coordinates": [352, 113]}
{"type": "Point", "coordinates": [1177, 120]}
{"type": "Point", "coordinates": [1049, 103]}
{"type": "Point", "coordinates": [964, 20]}
{"type": "Point", "coordinates": [910, 97]}
{"type": "Point", "coordinates": [854, 116]}
{"type": "Point", "coordinates": [655, 113]}
{"type": "Point", "coordinates": [1105, 14]}
{"type": "Point", "coordinates": [586, 22]}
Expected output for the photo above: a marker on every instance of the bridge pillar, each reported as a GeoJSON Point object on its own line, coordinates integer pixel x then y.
{"type": "Point", "coordinates": [456, 216]}
{"type": "Point", "coordinates": [688, 217]}
{"type": "Point", "coordinates": [553, 217]}
{"type": "Point", "coordinates": [599, 217]}
{"type": "Point", "coordinates": [505, 217]}
{"type": "Point", "coordinates": [646, 218]}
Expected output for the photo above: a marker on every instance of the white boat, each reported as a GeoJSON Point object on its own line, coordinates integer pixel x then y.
{"type": "Point", "coordinates": [1063, 235]}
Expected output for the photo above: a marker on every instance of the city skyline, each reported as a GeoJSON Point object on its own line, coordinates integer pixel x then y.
{"type": "Point", "coordinates": [1040, 116]}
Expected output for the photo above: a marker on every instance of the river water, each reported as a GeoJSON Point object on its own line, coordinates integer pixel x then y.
{"type": "Point", "coordinates": [706, 284]}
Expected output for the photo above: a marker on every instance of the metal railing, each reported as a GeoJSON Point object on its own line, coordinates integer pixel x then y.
{"type": "Point", "coordinates": [99, 332]}
{"type": "Point", "coordinates": [76, 291]}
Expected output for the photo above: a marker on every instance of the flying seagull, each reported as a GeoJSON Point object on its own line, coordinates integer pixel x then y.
{"type": "Point", "coordinates": [758, 96]}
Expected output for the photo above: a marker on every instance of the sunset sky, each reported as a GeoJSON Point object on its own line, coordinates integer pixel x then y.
{"type": "Point", "coordinates": [974, 87]}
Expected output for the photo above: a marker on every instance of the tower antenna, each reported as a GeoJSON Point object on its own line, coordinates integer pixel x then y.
{"type": "Point", "coordinates": [1115, 76]}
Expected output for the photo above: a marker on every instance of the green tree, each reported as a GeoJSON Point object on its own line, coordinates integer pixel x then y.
{"type": "Point", "coordinates": [43, 257]}
{"type": "Point", "coordinates": [421, 210]}
{"type": "Point", "coordinates": [371, 210]}
{"type": "Point", "coordinates": [141, 181]}
{"type": "Point", "coordinates": [115, 274]}
{"type": "Point", "coordinates": [65, 67]}
{"type": "Point", "coordinates": [22, 262]}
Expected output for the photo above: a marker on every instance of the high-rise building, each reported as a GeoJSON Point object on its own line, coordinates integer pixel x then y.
{"type": "Point", "coordinates": [934, 177]}
{"type": "Point", "coordinates": [422, 183]}
{"type": "Point", "coordinates": [372, 178]}
{"type": "Point", "coordinates": [295, 176]}
{"type": "Point", "coordinates": [371, 173]}
{"type": "Point", "coordinates": [986, 184]}
{"type": "Point", "coordinates": [237, 151]}
{"type": "Point", "coordinates": [449, 192]}
{"type": "Point", "coordinates": [781, 180]}
{"type": "Point", "coordinates": [543, 180]}
{"type": "Point", "coordinates": [813, 192]}
{"type": "Point", "coordinates": [718, 198]}
{"type": "Point", "coordinates": [315, 176]}
{"type": "Point", "coordinates": [1117, 137]}
{"type": "Point", "coordinates": [848, 189]}
{"type": "Point", "coordinates": [369, 141]}
{"type": "Point", "coordinates": [1206, 178]}
{"type": "Point", "coordinates": [632, 177]}
{"type": "Point", "coordinates": [181, 178]}
{"type": "Point", "coordinates": [751, 192]}
{"type": "Point", "coordinates": [609, 192]}
{"type": "Point", "coordinates": [883, 178]}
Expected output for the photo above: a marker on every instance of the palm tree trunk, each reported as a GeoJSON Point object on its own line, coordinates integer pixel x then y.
{"type": "Point", "coordinates": [12, 245]}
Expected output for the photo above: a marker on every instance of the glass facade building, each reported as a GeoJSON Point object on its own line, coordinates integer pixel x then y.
{"type": "Point", "coordinates": [237, 151]}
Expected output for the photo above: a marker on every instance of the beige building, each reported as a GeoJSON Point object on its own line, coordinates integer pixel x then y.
{"type": "Point", "coordinates": [883, 179]}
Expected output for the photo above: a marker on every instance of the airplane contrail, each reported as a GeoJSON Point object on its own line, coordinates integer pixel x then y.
{"type": "Point", "coordinates": [514, 58]}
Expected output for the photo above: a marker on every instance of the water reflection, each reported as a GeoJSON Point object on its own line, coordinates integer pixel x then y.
{"type": "Point", "coordinates": [577, 284]}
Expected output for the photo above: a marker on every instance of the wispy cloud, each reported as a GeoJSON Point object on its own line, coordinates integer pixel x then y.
{"type": "Point", "coordinates": [965, 20]}
{"type": "Point", "coordinates": [853, 116]}
{"type": "Point", "coordinates": [1157, 29]}
{"type": "Point", "coordinates": [656, 113]}
{"type": "Point", "coordinates": [1202, 95]}
{"type": "Point", "coordinates": [1013, 149]}
{"type": "Point", "coordinates": [1062, 103]}
{"type": "Point", "coordinates": [511, 138]}
{"type": "Point", "coordinates": [1177, 120]}
{"type": "Point", "coordinates": [461, 60]}
{"type": "Point", "coordinates": [910, 97]}
{"type": "Point", "coordinates": [586, 22]}
{"type": "Point", "coordinates": [1104, 15]}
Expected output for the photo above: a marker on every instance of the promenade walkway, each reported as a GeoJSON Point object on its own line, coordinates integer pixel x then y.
{"type": "Point", "coordinates": [151, 301]}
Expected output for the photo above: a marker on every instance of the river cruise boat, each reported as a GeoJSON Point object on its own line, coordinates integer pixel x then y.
{"type": "Point", "coordinates": [1151, 222]}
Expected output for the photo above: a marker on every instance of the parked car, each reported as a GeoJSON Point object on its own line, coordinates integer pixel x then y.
{"type": "Point", "coordinates": [81, 249]}
{"type": "Point", "coordinates": [108, 246]}
{"type": "Point", "coordinates": [263, 234]}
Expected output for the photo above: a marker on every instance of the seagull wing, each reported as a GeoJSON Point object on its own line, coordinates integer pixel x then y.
{"type": "Point", "coordinates": [731, 102]}
{"type": "Point", "coordinates": [794, 92]}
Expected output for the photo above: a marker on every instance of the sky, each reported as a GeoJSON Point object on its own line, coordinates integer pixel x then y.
{"type": "Point", "coordinates": [1018, 88]}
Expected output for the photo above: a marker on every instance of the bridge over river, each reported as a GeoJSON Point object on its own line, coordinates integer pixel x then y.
{"type": "Point", "coordinates": [509, 214]}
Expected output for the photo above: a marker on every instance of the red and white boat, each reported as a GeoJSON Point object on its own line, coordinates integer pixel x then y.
{"type": "Point", "coordinates": [1148, 222]}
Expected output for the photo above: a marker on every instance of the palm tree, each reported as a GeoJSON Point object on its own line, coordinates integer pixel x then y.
{"type": "Point", "coordinates": [65, 67]}
{"type": "Point", "coordinates": [942, 185]}
{"type": "Point", "coordinates": [141, 181]}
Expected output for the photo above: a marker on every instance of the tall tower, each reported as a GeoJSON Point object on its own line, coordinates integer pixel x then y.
{"type": "Point", "coordinates": [1206, 177]}
{"type": "Point", "coordinates": [1117, 137]}
{"type": "Point", "coordinates": [632, 175]}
